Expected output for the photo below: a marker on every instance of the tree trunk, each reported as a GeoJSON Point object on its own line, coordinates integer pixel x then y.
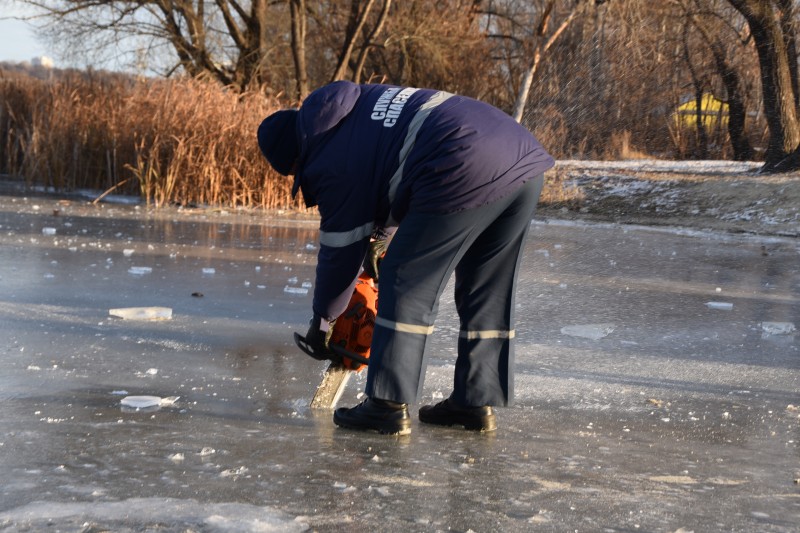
{"type": "Point", "coordinates": [701, 150]}
{"type": "Point", "coordinates": [788, 25]}
{"type": "Point", "coordinates": [776, 82]}
{"type": "Point", "coordinates": [298, 16]}
{"type": "Point", "coordinates": [737, 114]}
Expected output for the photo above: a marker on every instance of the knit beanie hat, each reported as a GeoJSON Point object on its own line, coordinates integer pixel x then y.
{"type": "Point", "coordinates": [277, 138]}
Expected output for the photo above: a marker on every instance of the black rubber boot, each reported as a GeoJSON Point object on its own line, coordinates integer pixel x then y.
{"type": "Point", "coordinates": [447, 413]}
{"type": "Point", "coordinates": [389, 418]}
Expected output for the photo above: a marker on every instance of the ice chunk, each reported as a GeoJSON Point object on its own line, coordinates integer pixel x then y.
{"type": "Point", "coordinates": [778, 328]}
{"type": "Point", "coordinates": [588, 331]}
{"type": "Point", "coordinates": [139, 271]}
{"type": "Point", "coordinates": [147, 402]}
{"type": "Point", "coordinates": [231, 472]}
{"type": "Point", "coordinates": [127, 252]}
{"type": "Point", "coordinates": [141, 402]}
{"type": "Point", "coordinates": [209, 271]}
{"type": "Point", "coordinates": [722, 306]}
{"type": "Point", "coordinates": [142, 313]}
{"type": "Point", "coordinates": [48, 231]}
{"type": "Point", "coordinates": [295, 290]}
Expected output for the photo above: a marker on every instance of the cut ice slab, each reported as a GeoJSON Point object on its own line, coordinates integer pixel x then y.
{"type": "Point", "coordinates": [142, 313]}
{"type": "Point", "coordinates": [138, 403]}
{"type": "Point", "coordinates": [588, 331]}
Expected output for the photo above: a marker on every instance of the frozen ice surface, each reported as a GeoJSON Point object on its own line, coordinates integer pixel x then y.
{"type": "Point", "coordinates": [582, 448]}
{"type": "Point", "coordinates": [142, 313]}
{"type": "Point", "coordinates": [588, 331]}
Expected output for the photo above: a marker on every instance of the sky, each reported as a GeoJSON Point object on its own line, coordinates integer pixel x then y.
{"type": "Point", "coordinates": [18, 42]}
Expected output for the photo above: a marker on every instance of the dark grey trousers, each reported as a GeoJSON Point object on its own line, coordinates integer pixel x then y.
{"type": "Point", "coordinates": [483, 246]}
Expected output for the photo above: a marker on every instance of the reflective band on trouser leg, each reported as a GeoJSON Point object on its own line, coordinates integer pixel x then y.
{"type": "Point", "coordinates": [487, 334]}
{"type": "Point", "coordinates": [404, 328]}
{"type": "Point", "coordinates": [489, 352]}
{"type": "Point", "coordinates": [397, 361]}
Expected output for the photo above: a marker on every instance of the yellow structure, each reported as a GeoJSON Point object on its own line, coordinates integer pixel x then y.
{"type": "Point", "coordinates": [713, 112]}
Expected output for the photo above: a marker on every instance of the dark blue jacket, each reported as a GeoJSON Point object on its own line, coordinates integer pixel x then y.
{"type": "Point", "coordinates": [369, 154]}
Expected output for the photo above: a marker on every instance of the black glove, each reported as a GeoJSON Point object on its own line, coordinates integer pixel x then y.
{"type": "Point", "coordinates": [377, 248]}
{"type": "Point", "coordinates": [318, 339]}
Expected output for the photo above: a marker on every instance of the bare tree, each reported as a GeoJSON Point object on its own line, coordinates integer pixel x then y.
{"type": "Point", "coordinates": [359, 12]}
{"type": "Point", "coordinates": [543, 42]}
{"type": "Point", "coordinates": [227, 40]}
{"type": "Point", "coordinates": [710, 24]}
{"type": "Point", "coordinates": [371, 40]}
{"type": "Point", "coordinates": [524, 32]}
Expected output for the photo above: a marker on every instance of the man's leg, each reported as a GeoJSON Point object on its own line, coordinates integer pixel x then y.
{"type": "Point", "coordinates": [421, 258]}
{"type": "Point", "coordinates": [484, 295]}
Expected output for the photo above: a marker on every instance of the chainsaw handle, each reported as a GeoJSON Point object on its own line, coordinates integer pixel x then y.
{"type": "Point", "coordinates": [303, 344]}
{"type": "Point", "coordinates": [336, 354]}
{"type": "Point", "coordinates": [343, 352]}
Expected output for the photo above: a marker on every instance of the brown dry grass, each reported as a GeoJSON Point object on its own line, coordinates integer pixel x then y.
{"type": "Point", "coordinates": [182, 142]}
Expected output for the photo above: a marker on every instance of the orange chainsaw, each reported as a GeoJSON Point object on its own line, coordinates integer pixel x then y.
{"type": "Point", "coordinates": [349, 342]}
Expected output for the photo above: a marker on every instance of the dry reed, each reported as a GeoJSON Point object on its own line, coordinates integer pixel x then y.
{"type": "Point", "coordinates": [172, 142]}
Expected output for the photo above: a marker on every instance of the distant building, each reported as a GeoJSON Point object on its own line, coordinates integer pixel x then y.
{"type": "Point", "coordinates": [713, 112]}
{"type": "Point", "coordinates": [42, 61]}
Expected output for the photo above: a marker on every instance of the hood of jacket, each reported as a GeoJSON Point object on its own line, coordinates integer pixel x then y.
{"type": "Point", "coordinates": [320, 113]}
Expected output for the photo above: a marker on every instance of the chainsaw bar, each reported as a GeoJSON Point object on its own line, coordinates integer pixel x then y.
{"type": "Point", "coordinates": [330, 389]}
{"type": "Point", "coordinates": [335, 378]}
